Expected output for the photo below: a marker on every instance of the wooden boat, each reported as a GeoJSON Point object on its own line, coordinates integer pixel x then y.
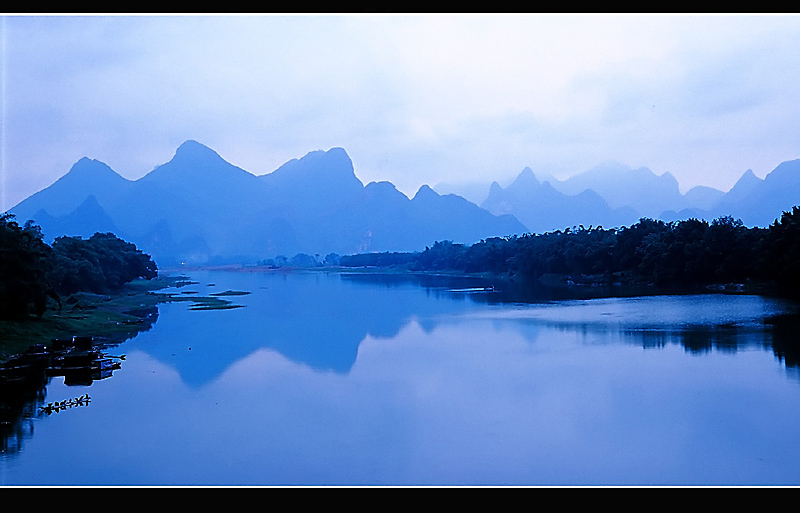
{"type": "Point", "coordinates": [75, 358]}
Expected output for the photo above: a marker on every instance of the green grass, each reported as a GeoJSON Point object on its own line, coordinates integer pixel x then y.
{"type": "Point", "coordinates": [210, 303]}
{"type": "Point", "coordinates": [115, 317]}
{"type": "Point", "coordinates": [230, 293]}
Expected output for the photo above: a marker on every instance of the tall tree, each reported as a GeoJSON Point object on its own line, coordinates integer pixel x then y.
{"type": "Point", "coordinates": [24, 266]}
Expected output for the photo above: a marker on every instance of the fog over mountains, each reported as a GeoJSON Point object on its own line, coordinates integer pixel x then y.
{"type": "Point", "coordinates": [613, 195]}
{"type": "Point", "coordinates": [199, 209]}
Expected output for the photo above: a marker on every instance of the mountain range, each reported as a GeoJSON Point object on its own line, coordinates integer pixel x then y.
{"type": "Point", "coordinates": [200, 209]}
{"type": "Point", "coordinates": [613, 195]}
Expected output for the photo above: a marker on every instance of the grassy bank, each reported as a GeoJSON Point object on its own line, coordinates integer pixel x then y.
{"type": "Point", "coordinates": [115, 317]}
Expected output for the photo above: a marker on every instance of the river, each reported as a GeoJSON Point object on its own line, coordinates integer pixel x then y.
{"type": "Point", "coordinates": [357, 379]}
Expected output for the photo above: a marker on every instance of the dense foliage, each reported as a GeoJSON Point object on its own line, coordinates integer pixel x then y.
{"type": "Point", "coordinates": [782, 251]}
{"type": "Point", "coordinates": [25, 261]}
{"type": "Point", "coordinates": [681, 253]}
{"type": "Point", "coordinates": [100, 264]}
{"type": "Point", "coordinates": [32, 271]}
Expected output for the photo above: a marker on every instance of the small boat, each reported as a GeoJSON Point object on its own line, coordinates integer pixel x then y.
{"type": "Point", "coordinates": [475, 289]}
{"type": "Point", "coordinates": [82, 367]}
{"type": "Point", "coordinates": [77, 359]}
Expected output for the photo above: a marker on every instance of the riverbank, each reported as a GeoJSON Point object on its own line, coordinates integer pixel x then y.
{"type": "Point", "coordinates": [113, 317]}
{"type": "Point", "coordinates": [597, 283]}
{"type": "Point", "coordinates": [110, 318]}
{"type": "Point", "coordinates": [120, 316]}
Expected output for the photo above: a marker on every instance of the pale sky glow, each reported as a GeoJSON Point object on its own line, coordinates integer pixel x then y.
{"type": "Point", "coordinates": [413, 99]}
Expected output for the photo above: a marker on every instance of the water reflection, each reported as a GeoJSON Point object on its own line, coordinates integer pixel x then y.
{"type": "Point", "coordinates": [79, 361]}
{"type": "Point", "coordinates": [374, 379]}
{"type": "Point", "coordinates": [700, 323]}
{"type": "Point", "coordinates": [314, 319]}
{"type": "Point", "coordinates": [320, 319]}
{"type": "Point", "coordinates": [785, 338]}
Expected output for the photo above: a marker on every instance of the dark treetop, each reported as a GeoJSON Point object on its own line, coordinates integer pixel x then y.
{"type": "Point", "coordinates": [31, 271]}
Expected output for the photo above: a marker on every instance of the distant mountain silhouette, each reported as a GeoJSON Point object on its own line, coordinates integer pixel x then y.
{"type": "Point", "coordinates": [746, 184]}
{"type": "Point", "coordinates": [86, 178]}
{"type": "Point", "coordinates": [86, 220]}
{"type": "Point", "coordinates": [755, 201]}
{"type": "Point", "coordinates": [198, 208]}
{"type": "Point", "coordinates": [622, 186]}
{"type": "Point", "coordinates": [759, 202]}
{"type": "Point", "coordinates": [613, 194]}
{"type": "Point", "coordinates": [698, 202]}
{"type": "Point", "coordinates": [321, 178]}
{"type": "Point", "coordinates": [432, 212]}
{"type": "Point", "coordinates": [476, 192]}
{"type": "Point", "coordinates": [542, 208]}
{"type": "Point", "coordinates": [702, 197]}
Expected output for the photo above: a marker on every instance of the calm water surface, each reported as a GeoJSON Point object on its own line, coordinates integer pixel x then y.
{"type": "Point", "coordinates": [390, 380]}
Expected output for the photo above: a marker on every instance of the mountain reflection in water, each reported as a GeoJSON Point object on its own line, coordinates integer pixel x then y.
{"type": "Point", "coordinates": [356, 378]}
{"type": "Point", "coordinates": [319, 319]}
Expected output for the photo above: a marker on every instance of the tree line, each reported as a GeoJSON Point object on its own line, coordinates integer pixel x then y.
{"type": "Point", "coordinates": [683, 253]}
{"type": "Point", "coordinates": [33, 273]}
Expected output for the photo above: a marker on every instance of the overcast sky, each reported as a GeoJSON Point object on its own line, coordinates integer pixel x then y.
{"type": "Point", "coordinates": [413, 99]}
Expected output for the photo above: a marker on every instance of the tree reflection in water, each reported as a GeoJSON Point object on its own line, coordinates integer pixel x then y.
{"type": "Point", "coordinates": [24, 379]}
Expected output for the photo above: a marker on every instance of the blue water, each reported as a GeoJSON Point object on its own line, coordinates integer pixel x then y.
{"type": "Point", "coordinates": [329, 379]}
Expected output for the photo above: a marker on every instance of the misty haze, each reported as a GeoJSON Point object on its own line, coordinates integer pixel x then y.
{"type": "Point", "coordinates": [396, 250]}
